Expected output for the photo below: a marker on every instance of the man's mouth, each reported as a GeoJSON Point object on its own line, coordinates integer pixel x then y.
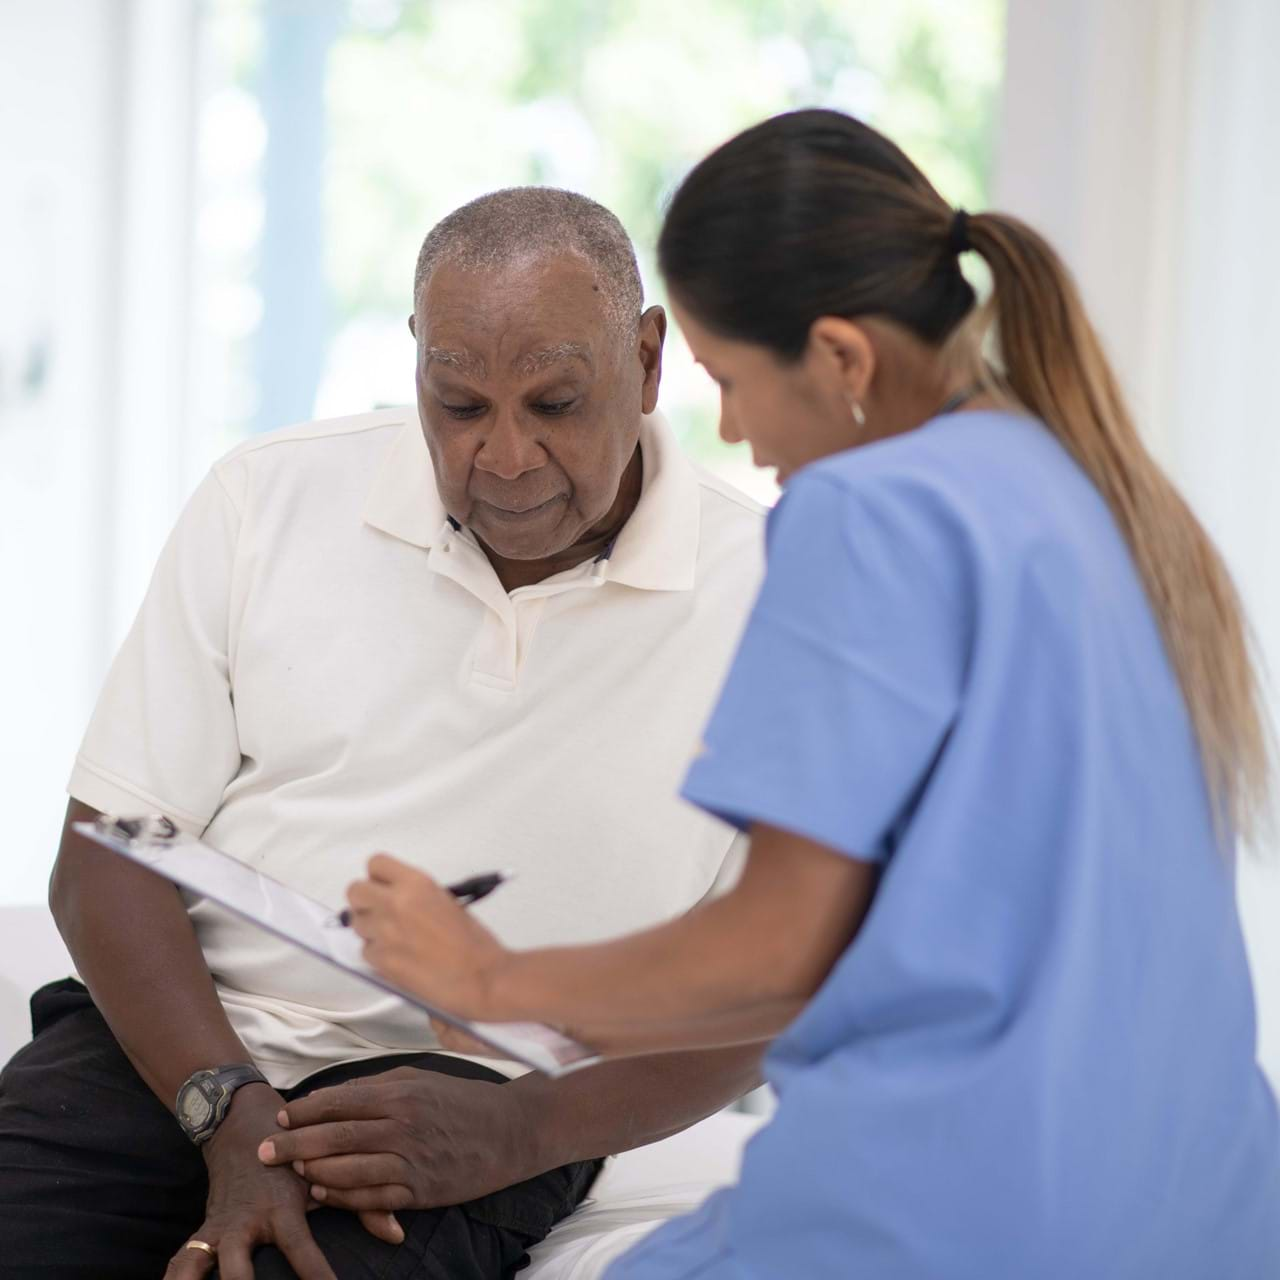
{"type": "Point", "coordinates": [504, 512]}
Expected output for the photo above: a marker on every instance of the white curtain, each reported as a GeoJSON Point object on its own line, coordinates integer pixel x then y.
{"type": "Point", "coordinates": [96, 128]}
{"type": "Point", "coordinates": [1142, 138]}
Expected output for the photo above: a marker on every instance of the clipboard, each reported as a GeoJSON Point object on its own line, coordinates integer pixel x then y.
{"type": "Point", "coordinates": [156, 843]}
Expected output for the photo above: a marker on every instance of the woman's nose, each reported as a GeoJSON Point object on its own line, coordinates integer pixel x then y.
{"type": "Point", "coordinates": [729, 432]}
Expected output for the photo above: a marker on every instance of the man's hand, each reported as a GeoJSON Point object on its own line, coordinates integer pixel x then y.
{"type": "Point", "coordinates": [249, 1204]}
{"type": "Point", "coordinates": [406, 1139]}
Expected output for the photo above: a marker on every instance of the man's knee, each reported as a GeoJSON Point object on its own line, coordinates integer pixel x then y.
{"type": "Point", "coordinates": [439, 1244]}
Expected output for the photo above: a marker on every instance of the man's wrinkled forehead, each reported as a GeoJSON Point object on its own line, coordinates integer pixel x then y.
{"type": "Point", "coordinates": [526, 361]}
{"type": "Point", "coordinates": [522, 317]}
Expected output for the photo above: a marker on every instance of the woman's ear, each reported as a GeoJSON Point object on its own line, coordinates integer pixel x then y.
{"type": "Point", "coordinates": [842, 355]}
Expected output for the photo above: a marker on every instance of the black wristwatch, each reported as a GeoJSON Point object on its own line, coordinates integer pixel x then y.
{"type": "Point", "coordinates": [203, 1101]}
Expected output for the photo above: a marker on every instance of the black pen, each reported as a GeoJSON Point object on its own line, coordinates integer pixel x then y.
{"type": "Point", "coordinates": [466, 891]}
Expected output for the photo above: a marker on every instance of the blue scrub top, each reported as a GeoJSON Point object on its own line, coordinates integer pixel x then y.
{"type": "Point", "coordinates": [1037, 1058]}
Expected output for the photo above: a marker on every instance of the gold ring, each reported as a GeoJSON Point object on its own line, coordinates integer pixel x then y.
{"type": "Point", "coordinates": [204, 1248]}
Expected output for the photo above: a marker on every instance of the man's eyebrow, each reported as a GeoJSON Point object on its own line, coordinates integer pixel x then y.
{"type": "Point", "coordinates": [544, 357]}
{"type": "Point", "coordinates": [462, 361]}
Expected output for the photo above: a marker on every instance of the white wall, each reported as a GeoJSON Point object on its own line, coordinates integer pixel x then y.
{"type": "Point", "coordinates": [1091, 152]}
{"type": "Point", "coordinates": [59, 122]}
{"type": "Point", "coordinates": [1140, 137]}
{"type": "Point", "coordinates": [1224, 352]}
{"type": "Point", "coordinates": [95, 147]}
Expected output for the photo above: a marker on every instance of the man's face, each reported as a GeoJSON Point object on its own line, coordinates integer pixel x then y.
{"type": "Point", "coordinates": [530, 400]}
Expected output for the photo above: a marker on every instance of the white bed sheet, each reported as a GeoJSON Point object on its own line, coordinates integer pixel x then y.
{"type": "Point", "coordinates": [639, 1190]}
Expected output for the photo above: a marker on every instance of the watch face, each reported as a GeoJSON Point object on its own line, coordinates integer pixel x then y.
{"type": "Point", "coordinates": [195, 1108]}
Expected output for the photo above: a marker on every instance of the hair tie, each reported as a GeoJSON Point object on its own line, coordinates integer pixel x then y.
{"type": "Point", "coordinates": [958, 236]}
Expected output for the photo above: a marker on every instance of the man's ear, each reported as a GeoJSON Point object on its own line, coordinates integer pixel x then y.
{"type": "Point", "coordinates": [653, 333]}
{"type": "Point", "coordinates": [841, 352]}
{"type": "Point", "coordinates": [413, 328]}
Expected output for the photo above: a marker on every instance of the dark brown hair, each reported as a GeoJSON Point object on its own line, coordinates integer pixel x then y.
{"type": "Point", "coordinates": [815, 214]}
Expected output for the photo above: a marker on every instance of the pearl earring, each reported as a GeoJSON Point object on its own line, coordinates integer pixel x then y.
{"type": "Point", "coordinates": [858, 415]}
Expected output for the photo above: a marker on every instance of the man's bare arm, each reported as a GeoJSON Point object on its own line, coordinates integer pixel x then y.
{"type": "Point", "coordinates": [133, 945]}
{"type": "Point", "coordinates": [134, 948]}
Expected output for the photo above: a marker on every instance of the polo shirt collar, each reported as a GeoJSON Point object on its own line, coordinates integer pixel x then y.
{"type": "Point", "coordinates": [656, 550]}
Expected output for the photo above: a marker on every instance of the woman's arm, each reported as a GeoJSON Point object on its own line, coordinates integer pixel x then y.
{"type": "Point", "coordinates": [734, 970]}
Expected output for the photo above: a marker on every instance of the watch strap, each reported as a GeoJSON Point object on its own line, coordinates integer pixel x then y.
{"type": "Point", "coordinates": [239, 1073]}
{"type": "Point", "coordinates": [224, 1080]}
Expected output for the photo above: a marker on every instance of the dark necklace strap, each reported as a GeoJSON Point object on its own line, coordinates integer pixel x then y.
{"type": "Point", "coordinates": [956, 401]}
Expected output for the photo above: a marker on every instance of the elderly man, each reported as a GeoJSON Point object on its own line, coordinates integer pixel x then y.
{"type": "Point", "coordinates": [482, 637]}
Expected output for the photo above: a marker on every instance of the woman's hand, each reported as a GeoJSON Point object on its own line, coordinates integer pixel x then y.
{"type": "Point", "coordinates": [419, 936]}
{"type": "Point", "coordinates": [459, 1042]}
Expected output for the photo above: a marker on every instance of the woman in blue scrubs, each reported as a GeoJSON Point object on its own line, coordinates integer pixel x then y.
{"type": "Point", "coordinates": [993, 729]}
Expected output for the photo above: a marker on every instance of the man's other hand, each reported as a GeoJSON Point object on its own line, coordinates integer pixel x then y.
{"type": "Point", "coordinates": [405, 1139]}
{"type": "Point", "coordinates": [250, 1205]}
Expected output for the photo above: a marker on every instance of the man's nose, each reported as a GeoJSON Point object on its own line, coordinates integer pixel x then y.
{"type": "Point", "coordinates": [509, 450]}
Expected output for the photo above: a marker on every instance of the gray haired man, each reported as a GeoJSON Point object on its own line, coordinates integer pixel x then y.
{"type": "Point", "coordinates": [482, 635]}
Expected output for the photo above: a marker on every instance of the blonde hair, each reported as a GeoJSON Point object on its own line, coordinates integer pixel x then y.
{"type": "Point", "coordinates": [1051, 362]}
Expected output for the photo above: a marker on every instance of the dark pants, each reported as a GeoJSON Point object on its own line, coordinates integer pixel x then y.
{"type": "Point", "coordinates": [97, 1182]}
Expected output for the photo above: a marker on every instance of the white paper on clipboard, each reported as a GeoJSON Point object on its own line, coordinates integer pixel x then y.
{"type": "Point", "coordinates": [156, 844]}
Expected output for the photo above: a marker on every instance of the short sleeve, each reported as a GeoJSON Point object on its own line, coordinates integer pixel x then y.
{"type": "Point", "coordinates": [850, 672]}
{"type": "Point", "coordinates": [162, 737]}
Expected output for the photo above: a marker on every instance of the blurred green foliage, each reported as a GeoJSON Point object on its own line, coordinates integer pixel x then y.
{"type": "Point", "coordinates": [432, 102]}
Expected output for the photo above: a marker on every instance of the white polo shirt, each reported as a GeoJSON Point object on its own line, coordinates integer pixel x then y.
{"type": "Point", "coordinates": [323, 667]}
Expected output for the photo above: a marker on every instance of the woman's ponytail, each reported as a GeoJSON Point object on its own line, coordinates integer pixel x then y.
{"type": "Point", "coordinates": [1052, 363]}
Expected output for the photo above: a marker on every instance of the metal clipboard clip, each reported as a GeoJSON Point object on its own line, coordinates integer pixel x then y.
{"type": "Point", "coordinates": [154, 828]}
